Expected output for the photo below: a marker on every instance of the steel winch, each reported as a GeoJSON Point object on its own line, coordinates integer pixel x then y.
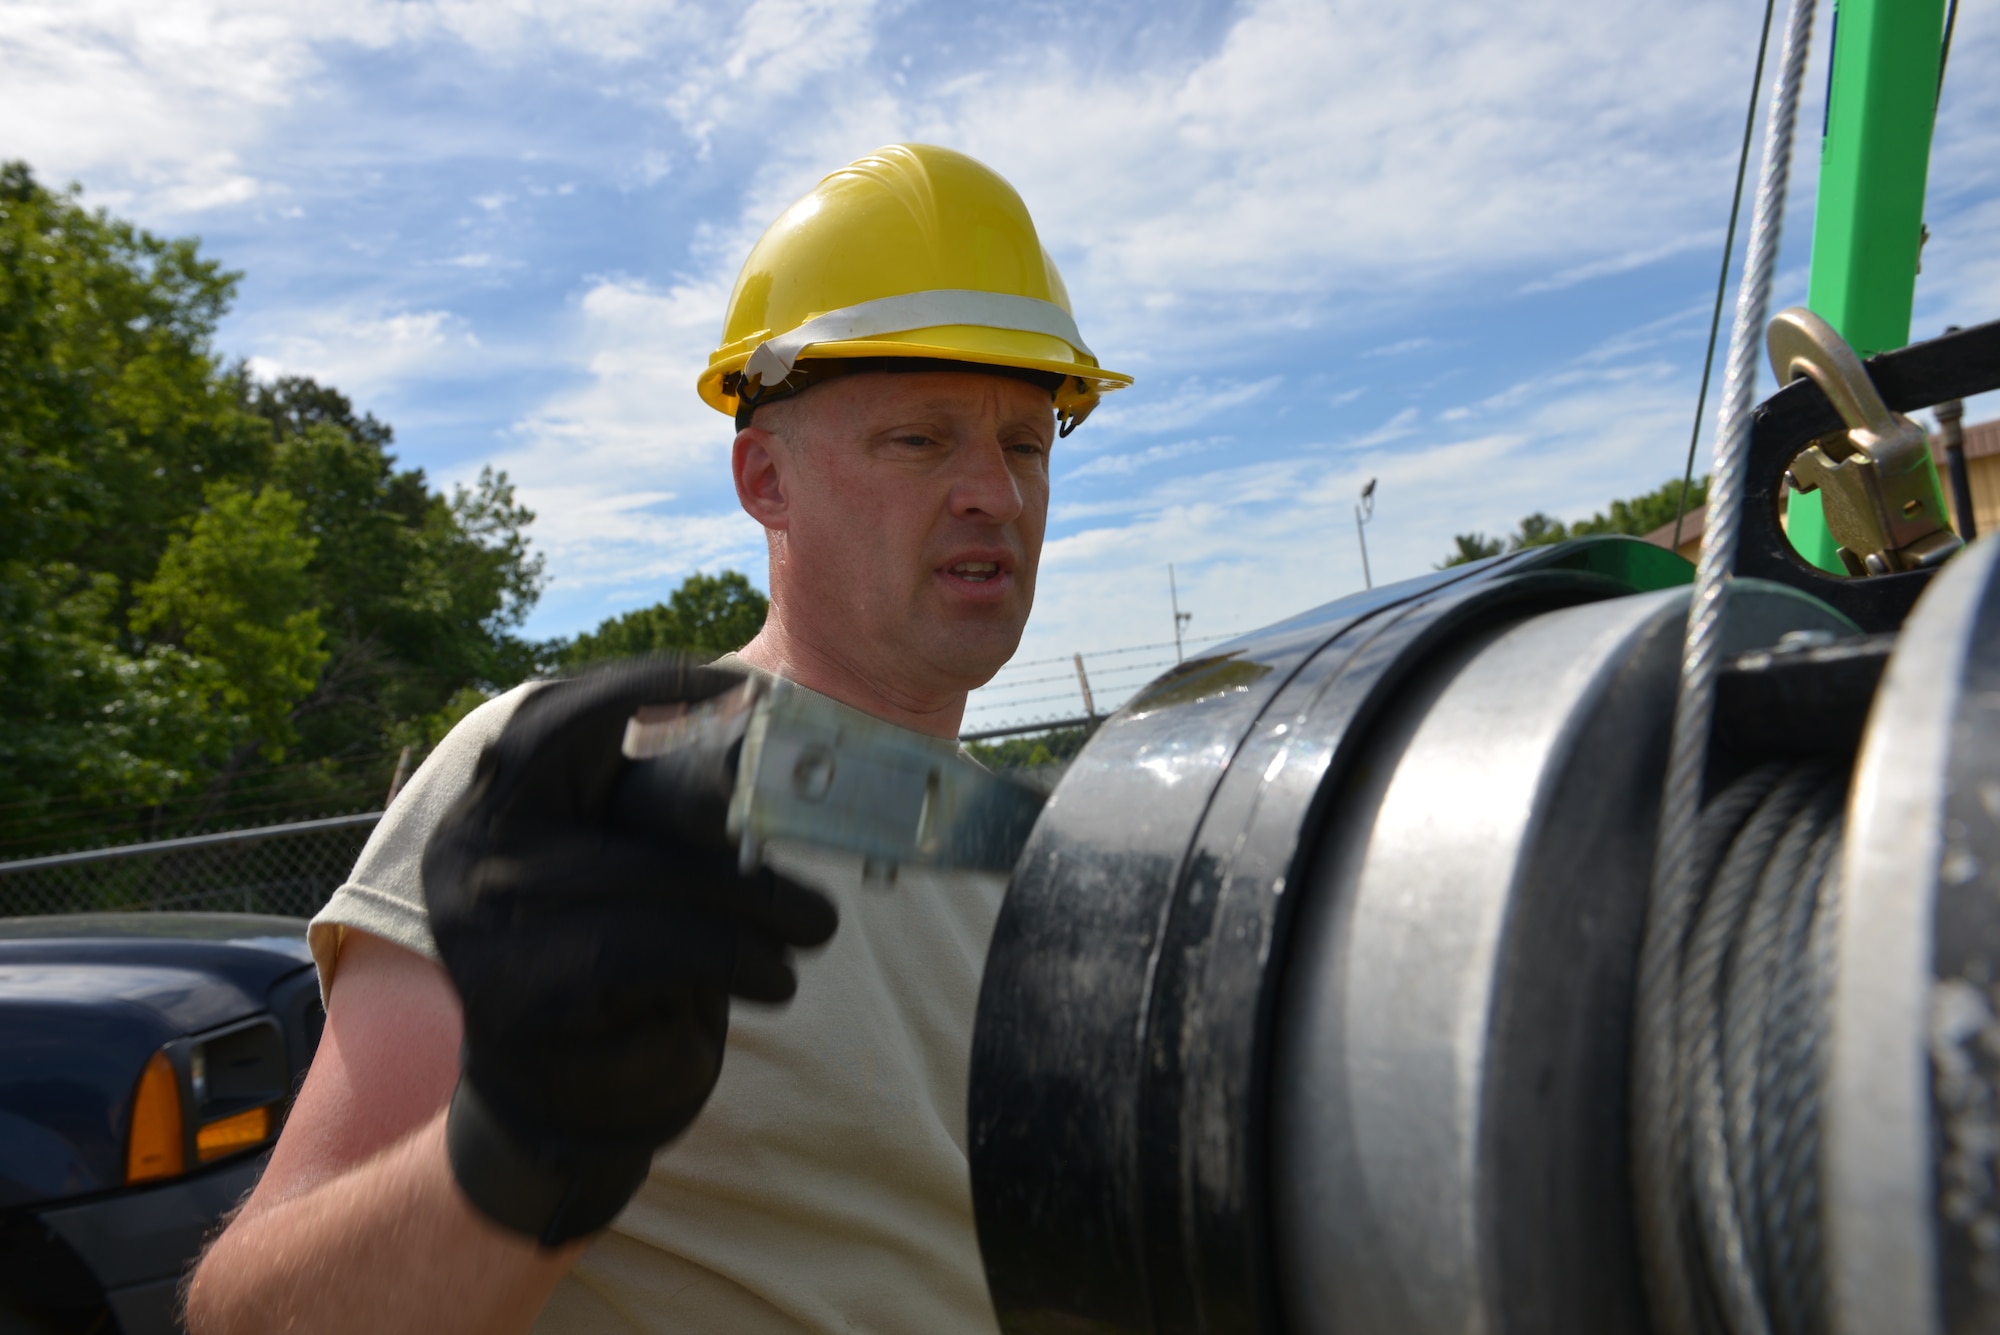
{"type": "Point", "coordinates": [1312, 1006]}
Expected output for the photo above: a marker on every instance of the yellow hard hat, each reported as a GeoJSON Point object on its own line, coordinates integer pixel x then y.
{"type": "Point", "coordinates": [910, 252]}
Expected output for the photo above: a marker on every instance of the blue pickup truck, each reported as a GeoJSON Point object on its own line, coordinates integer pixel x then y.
{"type": "Point", "coordinates": [147, 1061]}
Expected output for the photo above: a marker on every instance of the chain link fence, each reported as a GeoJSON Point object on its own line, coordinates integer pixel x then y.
{"type": "Point", "coordinates": [293, 868]}
{"type": "Point", "coordinates": [288, 869]}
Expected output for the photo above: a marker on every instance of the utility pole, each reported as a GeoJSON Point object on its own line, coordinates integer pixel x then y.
{"type": "Point", "coordinates": [1364, 511]}
{"type": "Point", "coordinates": [1083, 680]}
{"type": "Point", "coordinates": [1180, 618]}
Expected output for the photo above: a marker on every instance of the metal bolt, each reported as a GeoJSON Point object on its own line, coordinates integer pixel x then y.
{"type": "Point", "coordinates": [812, 773]}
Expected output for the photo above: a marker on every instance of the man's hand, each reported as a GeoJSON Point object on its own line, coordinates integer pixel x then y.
{"type": "Point", "coordinates": [595, 963]}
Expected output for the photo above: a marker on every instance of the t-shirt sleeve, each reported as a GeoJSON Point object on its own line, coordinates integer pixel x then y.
{"type": "Point", "coordinates": [384, 894]}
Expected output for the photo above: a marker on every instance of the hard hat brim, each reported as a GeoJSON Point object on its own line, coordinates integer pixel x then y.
{"type": "Point", "coordinates": [973, 345]}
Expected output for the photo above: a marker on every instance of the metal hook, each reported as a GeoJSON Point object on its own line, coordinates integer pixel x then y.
{"type": "Point", "coordinates": [1882, 502]}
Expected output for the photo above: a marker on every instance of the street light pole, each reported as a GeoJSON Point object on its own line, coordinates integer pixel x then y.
{"type": "Point", "coordinates": [1363, 512]}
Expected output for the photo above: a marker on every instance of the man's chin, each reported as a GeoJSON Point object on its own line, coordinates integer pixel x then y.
{"type": "Point", "coordinates": [969, 655]}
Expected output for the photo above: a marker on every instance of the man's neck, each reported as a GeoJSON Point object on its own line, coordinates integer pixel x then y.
{"type": "Point", "coordinates": [786, 655]}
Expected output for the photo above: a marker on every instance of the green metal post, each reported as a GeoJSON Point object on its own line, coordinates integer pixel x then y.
{"type": "Point", "coordinates": [1874, 157]}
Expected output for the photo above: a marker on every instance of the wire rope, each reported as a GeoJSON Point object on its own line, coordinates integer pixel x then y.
{"type": "Point", "coordinates": [1673, 1274]}
{"type": "Point", "coordinates": [1748, 1004]}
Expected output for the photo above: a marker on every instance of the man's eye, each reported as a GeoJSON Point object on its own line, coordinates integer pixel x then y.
{"type": "Point", "coordinates": [915, 442]}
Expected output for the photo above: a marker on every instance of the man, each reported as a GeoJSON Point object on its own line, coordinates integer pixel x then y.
{"type": "Point", "coordinates": [899, 357]}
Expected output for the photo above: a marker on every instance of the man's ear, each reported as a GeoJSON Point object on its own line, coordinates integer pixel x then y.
{"type": "Point", "coordinates": [760, 466]}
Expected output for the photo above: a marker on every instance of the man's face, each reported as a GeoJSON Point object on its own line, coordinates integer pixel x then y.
{"type": "Point", "coordinates": [912, 519]}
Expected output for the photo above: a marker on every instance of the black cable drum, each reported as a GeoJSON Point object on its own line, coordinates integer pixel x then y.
{"type": "Point", "coordinates": [1141, 1080]}
{"type": "Point", "coordinates": [1911, 1125]}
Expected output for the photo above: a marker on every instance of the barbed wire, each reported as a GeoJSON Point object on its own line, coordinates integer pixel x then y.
{"type": "Point", "coordinates": [1127, 649]}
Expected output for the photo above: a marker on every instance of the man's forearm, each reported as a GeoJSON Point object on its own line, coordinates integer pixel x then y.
{"type": "Point", "coordinates": [390, 1246]}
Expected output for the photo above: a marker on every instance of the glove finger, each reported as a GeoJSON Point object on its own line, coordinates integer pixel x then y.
{"type": "Point", "coordinates": [589, 868]}
{"type": "Point", "coordinates": [561, 750]}
{"type": "Point", "coordinates": [561, 967]}
{"type": "Point", "coordinates": [557, 871]}
{"type": "Point", "coordinates": [584, 917]}
{"type": "Point", "coordinates": [763, 968]}
{"type": "Point", "coordinates": [796, 914]}
{"type": "Point", "coordinates": [644, 1071]}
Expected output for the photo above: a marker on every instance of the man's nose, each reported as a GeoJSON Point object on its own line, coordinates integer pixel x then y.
{"type": "Point", "coordinates": [985, 487]}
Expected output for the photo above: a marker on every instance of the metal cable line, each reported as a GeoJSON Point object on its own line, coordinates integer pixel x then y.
{"type": "Point", "coordinates": [1673, 1276]}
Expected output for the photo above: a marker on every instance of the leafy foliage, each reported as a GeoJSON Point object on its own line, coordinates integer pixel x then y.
{"type": "Point", "coordinates": [233, 591]}
{"type": "Point", "coordinates": [219, 600]}
{"type": "Point", "coordinates": [708, 614]}
{"type": "Point", "coordinates": [1030, 752]}
{"type": "Point", "coordinates": [1635, 517]}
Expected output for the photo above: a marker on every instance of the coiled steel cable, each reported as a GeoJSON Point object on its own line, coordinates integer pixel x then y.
{"type": "Point", "coordinates": [1676, 1278]}
{"type": "Point", "coordinates": [1749, 1011]}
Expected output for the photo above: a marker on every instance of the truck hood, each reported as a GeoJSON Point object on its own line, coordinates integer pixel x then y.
{"type": "Point", "coordinates": [85, 1000]}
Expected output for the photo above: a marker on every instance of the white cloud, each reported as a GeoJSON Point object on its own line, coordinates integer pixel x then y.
{"type": "Point", "coordinates": [1119, 465]}
{"type": "Point", "coordinates": [1631, 259]}
{"type": "Point", "coordinates": [1397, 349]}
{"type": "Point", "coordinates": [775, 48]}
{"type": "Point", "coordinates": [1193, 400]}
{"type": "Point", "coordinates": [168, 104]}
{"type": "Point", "coordinates": [1298, 180]}
{"type": "Point", "coordinates": [1255, 543]}
{"type": "Point", "coordinates": [1404, 423]}
{"type": "Point", "coordinates": [367, 352]}
{"type": "Point", "coordinates": [628, 471]}
{"type": "Point", "coordinates": [1343, 152]}
{"type": "Point", "coordinates": [166, 95]}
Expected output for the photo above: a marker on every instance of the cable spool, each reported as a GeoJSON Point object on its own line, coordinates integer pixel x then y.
{"type": "Point", "coordinates": [1913, 1057]}
{"type": "Point", "coordinates": [1139, 1044]}
{"type": "Point", "coordinates": [1835, 1087]}
{"type": "Point", "coordinates": [1311, 1005]}
{"type": "Point", "coordinates": [1751, 968]}
{"type": "Point", "coordinates": [1405, 1103]}
{"type": "Point", "coordinates": [1449, 1141]}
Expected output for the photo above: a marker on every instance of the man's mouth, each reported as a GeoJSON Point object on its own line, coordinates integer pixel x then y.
{"type": "Point", "coordinates": [978, 572]}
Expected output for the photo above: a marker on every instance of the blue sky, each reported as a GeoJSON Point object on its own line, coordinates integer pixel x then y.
{"type": "Point", "coordinates": [1466, 248]}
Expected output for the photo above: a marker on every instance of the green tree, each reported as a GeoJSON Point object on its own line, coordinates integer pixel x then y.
{"type": "Point", "coordinates": [1031, 752]}
{"type": "Point", "coordinates": [1472, 547]}
{"type": "Point", "coordinates": [1646, 514]}
{"type": "Point", "coordinates": [422, 595]}
{"type": "Point", "coordinates": [709, 615]}
{"type": "Point", "coordinates": [1636, 518]}
{"type": "Point", "coordinates": [113, 411]}
{"type": "Point", "coordinates": [85, 717]}
{"type": "Point", "coordinates": [233, 590]}
{"type": "Point", "coordinates": [198, 571]}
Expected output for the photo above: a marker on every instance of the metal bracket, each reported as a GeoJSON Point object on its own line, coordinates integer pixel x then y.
{"type": "Point", "coordinates": [814, 770]}
{"type": "Point", "coordinates": [1881, 505]}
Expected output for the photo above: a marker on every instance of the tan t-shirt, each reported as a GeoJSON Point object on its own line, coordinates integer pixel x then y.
{"type": "Point", "coordinates": [824, 1187]}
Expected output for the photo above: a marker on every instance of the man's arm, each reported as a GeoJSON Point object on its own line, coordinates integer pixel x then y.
{"type": "Point", "coordinates": [358, 1223]}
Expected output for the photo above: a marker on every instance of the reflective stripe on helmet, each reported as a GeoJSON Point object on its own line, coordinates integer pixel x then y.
{"type": "Point", "coordinates": [774, 358]}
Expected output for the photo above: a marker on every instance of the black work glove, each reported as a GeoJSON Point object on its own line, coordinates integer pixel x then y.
{"type": "Point", "coordinates": [595, 949]}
